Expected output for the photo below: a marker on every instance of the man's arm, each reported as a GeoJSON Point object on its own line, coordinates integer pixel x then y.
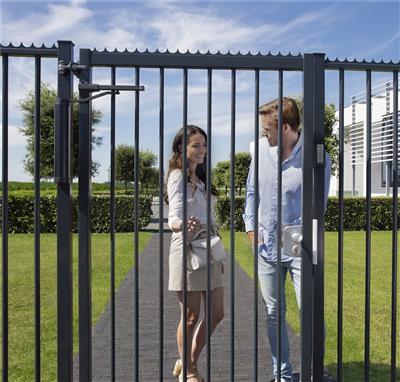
{"type": "Point", "coordinates": [248, 215]}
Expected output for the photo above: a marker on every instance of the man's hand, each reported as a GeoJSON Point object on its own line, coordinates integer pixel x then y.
{"type": "Point", "coordinates": [250, 236]}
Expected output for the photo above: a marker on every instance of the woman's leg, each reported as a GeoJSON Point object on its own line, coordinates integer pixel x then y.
{"type": "Point", "coordinates": [193, 310]}
{"type": "Point", "coordinates": [217, 314]}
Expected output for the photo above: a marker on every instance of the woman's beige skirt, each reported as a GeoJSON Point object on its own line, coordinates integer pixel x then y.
{"type": "Point", "coordinates": [196, 280]}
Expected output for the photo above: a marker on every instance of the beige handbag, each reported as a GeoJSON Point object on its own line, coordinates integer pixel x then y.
{"type": "Point", "coordinates": [198, 250]}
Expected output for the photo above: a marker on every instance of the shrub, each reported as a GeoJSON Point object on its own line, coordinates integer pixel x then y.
{"type": "Point", "coordinates": [354, 213]}
{"type": "Point", "coordinates": [21, 212]}
{"type": "Point", "coordinates": [222, 212]}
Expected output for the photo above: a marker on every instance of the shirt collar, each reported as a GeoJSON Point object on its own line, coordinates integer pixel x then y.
{"type": "Point", "coordinates": [296, 148]}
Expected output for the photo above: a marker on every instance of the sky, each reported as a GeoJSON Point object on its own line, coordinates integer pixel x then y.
{"type": "Point", "coordinates": [341, 29]}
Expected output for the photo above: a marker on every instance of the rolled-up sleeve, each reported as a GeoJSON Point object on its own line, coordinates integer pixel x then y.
{"type": "Point", "coordinates": [175, 199]}
{"type": "Point", "coordinates": [248, 215]}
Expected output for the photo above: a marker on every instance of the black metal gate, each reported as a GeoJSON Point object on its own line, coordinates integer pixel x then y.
{"type": "Point", "coordinates": [313, 67]}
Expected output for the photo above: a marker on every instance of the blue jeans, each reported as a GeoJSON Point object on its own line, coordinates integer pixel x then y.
{"type": "Point", "coordinates": [267, 272]}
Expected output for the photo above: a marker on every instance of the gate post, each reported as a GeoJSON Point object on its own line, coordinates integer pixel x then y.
{"type": "Point", "coordinates": [312, 309]}
{"type": "Point", "coordinates": [62, 176]}
{"type": "Point", "coordinates": [84, 218]}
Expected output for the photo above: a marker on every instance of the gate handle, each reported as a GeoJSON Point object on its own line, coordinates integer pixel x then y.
{"type": "Point", "coordinates": [315, 241]}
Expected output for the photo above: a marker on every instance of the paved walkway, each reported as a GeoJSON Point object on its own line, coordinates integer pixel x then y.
{"type": "Point", "coordinates": [149, 334]}
{"type": "Point", "coordinates": [149, 326]}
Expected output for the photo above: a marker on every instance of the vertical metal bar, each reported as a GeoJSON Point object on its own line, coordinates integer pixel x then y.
{"type": "Point", "coordinates": [84, 220]}
{"type": "Point", "coordinates": [161, 226]}
{"type": "Point", "coordinates": [395, 166]}
{"type": "Point", "coordinates": [232, 222]}
{"type": "Point", "coordinates": [278, 274]}
{"type": "Point", "coordinates": [4, 226]}
{"type": "Point", "coordinates": [136, 212]}
{"type": "Point", "coordinates": [37, 216]}
{"type": "Point", "coordinates": [184, 226]}
{"type": "Point", "coordinates": [112, 223]}
{"type": "Point", "coordinates": [368, 232]}
{"type": "Point", "coordinates": [64, 217]}
{"type": "Point", "coordinates": [319, 215]}
{"type": "Point", "coordinates": [353, 166]}
{"type": "Point", "coordinates": [209, 222]}
{"type": "Point", "coordinates": [256, 202]}
{"type": "Point", "coordinates": [340, 229]}
{"type": "Point", "coordinates": [307, 191]}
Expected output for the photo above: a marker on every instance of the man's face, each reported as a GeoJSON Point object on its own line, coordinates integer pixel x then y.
{"type": "Point", "coordinates": [269, 129]}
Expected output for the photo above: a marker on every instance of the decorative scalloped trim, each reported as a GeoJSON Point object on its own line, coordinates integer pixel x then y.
{"type": "Point", "coordinates": [208, 53]}
{"type": "Point", "coordinates": [32, 46]}
{"type": "Point", "coordinates": [361, 61]}
{"type": "Point", "coordinates": [197, 53]}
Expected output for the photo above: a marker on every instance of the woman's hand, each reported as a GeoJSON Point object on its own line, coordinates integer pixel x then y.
{"type": "Point", "coordinates": [193, 226]}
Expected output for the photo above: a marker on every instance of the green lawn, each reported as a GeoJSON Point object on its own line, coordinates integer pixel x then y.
{"type": "Point", "coordinates": [21, 295]}
{"type": "Point", "coordinates": [353, 306]}
{"type": "Point", "coordinates": [21, 298]}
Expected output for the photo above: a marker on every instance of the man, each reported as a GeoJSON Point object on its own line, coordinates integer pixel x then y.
{"type": "Point", "coordinates": [292, 161]}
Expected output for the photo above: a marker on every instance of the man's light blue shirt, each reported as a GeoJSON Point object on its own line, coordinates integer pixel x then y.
{"type": "Point", "coordinates": [292, 178]}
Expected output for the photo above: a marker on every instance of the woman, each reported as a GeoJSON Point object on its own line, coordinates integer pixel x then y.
{"type": "Point", "coordinates": [196, 279]}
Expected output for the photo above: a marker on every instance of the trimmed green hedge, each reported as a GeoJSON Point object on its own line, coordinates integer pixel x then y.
{"type": "Point", "coordinates": [48, 186]}
{"type": "Point", "coordinates": [354, 213]}
{"type": "Point", "coordinates": [21, 212]}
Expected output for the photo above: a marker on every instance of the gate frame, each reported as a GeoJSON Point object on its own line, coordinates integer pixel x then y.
{"type": "Point", "coordinates": [312, 66]}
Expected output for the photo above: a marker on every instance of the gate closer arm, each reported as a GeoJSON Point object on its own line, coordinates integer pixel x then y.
{"type": "Point", "coordinates": [111, 89]}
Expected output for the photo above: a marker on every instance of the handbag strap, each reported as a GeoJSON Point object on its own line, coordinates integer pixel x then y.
{"type": "Point", "coordinates": [199, 232]}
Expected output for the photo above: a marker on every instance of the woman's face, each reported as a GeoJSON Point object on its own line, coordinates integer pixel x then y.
{"type": "Point", "coordinates": [196, 149]}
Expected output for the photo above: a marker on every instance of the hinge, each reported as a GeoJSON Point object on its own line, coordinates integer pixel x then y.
{"type": "Point", "coordinates": [72, 67]}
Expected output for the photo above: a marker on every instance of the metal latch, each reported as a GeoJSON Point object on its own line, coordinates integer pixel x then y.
{"type": "Point", "coordinates": [292, 238]}
{"type": "Point", "coordinates": [315, 241]}
{"type": "Point", "coordinates": [320, 154]}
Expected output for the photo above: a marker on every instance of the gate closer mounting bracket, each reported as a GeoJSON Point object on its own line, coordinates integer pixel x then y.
{"type": "Point", "coordinates": [76, 69]}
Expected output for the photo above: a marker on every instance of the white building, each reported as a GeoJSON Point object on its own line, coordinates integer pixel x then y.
{"type": "Point", "coordinates": [355, 159]}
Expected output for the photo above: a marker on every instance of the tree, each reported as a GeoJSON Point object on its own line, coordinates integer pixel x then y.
{"type": "Point", "coordinates": [242, 165]}
{"type": "Point", "coordinates": [148, 174]}
{"type": "Point", "coordinates": [125, 166]}
{"type": "Point", "coordinates": [221, 175]}
{"type": "Point", "coordinates": [47, 101]}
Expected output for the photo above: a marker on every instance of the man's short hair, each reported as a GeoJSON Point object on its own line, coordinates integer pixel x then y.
{"type": "Point", "coordinates": [290, 112]}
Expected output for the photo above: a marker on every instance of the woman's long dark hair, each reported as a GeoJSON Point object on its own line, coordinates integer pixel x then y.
{"type": "Point", "coordinates": [176, 161]}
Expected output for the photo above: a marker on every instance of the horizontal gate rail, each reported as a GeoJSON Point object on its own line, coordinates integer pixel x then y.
{"type": "Point", "coordinates": [197, 60]}
{"type": "Point", "coordinates": [29, 51]}
{"type": "Point", "coordinates": [362, 65]}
